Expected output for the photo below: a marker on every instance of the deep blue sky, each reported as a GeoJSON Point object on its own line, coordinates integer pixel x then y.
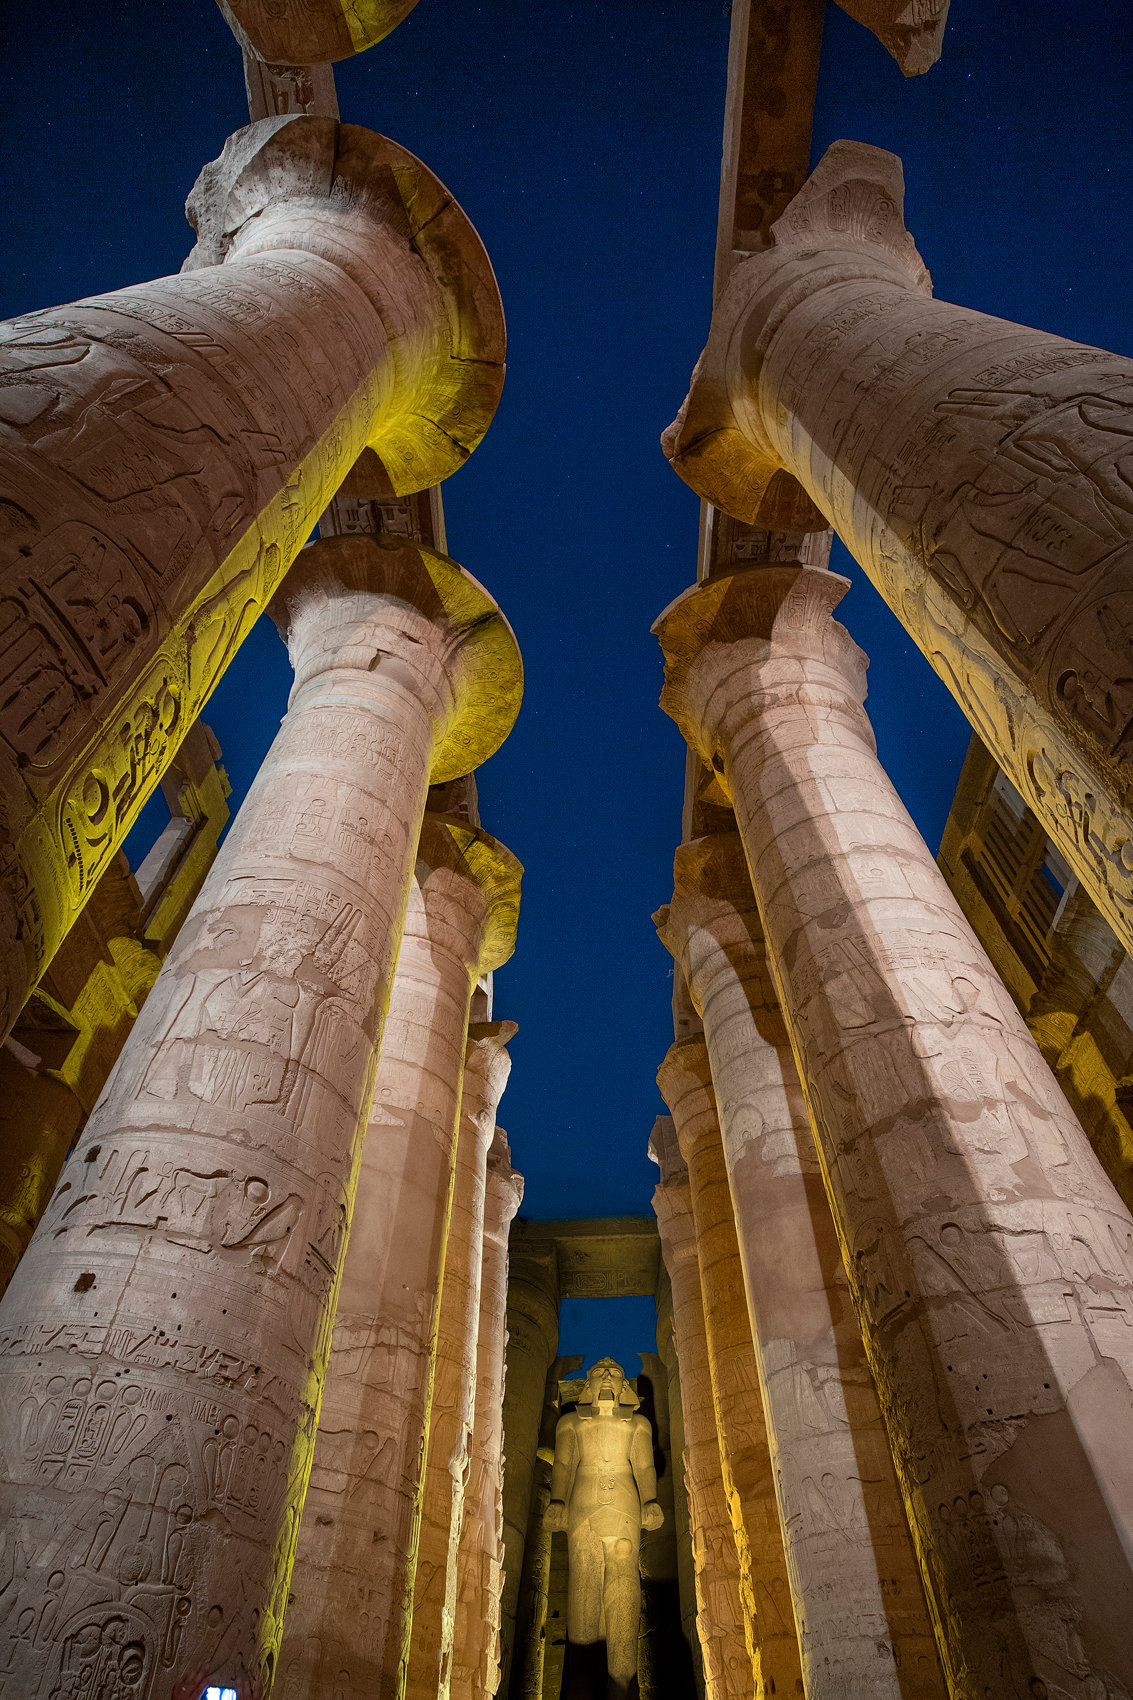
{"type": "Point", "coordinates": [584, 141]}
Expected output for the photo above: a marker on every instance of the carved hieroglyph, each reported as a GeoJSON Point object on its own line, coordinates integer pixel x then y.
{"type": "Point", "coordinates": [532, 1340]}
{"type": "Point", "coordinates": [476, 1647]}
{"type": "Point", "coordinates": [452, 1412]}
{"type": "Point", "coordinates": [720, 1615]}
{"type": "Point", "coordinates": [686, 1576]}
{"type": "Point", "coordinates": [978, 470]}
{"type": "Point", "coordinates": [311, 32]}
{"type": "Point", "coordinates": [163, 1342]}
{"type": "Point", "coordinates": [685, 1082]}
{"type": "Point", "coordinates": [166, 450]}
{"type": "Point", "coordinates": [348, 1615]}
{"type": "Point", "coordinates": [990, 1259]}
{"type": "Point", "coordinates": [859, 1606]}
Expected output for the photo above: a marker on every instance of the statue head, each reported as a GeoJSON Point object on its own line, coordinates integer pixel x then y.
{"type": "Point", "coordinates": [607, 1388]}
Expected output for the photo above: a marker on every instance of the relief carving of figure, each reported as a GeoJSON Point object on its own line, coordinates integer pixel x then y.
{"type": "Point", "coordinates": [603, 1493]}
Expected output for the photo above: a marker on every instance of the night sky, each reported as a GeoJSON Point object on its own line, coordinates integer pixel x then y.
{"type": "Point", "coordinates": [584, 142]}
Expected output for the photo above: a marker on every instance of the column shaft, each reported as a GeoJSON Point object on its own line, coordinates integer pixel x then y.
{"type": "Point", "coordinates": [164, 1340]}
{"type": "Point", "coordinates": [532, 1336]}
{"type": "Point", "coordinates": [724, 1635]}
{"type": "Point", "coordinates": [453, 1407]}
{"type": "Point", "coordinates": [476, 1655]}
{"type": "Point", "coordinates": [350, 1607]}
{"type": "Point", "coordinates": [686, 1085]}
{"type": "Point", "coordinates": [686, 1575]}
{"type": "Point", "coordinates": [990, 1259]}
{"type": "Point", "coordinates": [168, 449]}
{"type": "Point", "coordinates": [974, 467]}
{"type": "Point", "coordinates": [862, 1622]}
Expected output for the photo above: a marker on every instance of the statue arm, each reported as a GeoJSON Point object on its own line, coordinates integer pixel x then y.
{"type": "Point", "coordinates": [645, 1473]}
{"type": "Point", "coordinates": [562, 1474]}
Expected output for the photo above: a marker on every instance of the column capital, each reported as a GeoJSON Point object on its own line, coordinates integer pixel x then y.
{"type": "Point", "coordinates": [505, 1184]}
{"type": "Point", "coordinates": [737, 642]}
{"type": "Point", "coordinates": [371, 208]}
{"type": "Point", "coordinates": [846, 223]}
{"type": "Point", "coordinates": [315, 32]}
{"type": "Point", "coordinates": [368, 605]}
{"type": "Point", "coordinates": [487, 1066]}
{"type": "Point", "coordinates": [685, 1080]}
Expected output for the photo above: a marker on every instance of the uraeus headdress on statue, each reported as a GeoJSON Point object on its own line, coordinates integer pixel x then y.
{"type": "Point", "coordinates": [627, 1397]}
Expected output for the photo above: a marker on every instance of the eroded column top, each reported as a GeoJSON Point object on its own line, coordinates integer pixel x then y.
{"type": "Point", "coordinates": [369, 605]}
{"type": "Point", "coordinates": [371, 208]}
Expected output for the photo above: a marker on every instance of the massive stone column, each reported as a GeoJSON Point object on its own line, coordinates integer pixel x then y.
{"type": "Point", "coordinates": [722, 1625]}
{"type": "Point", "coordinates": [350, 1608]}
{"type": "Point", "coordinates": [532, 1339]}
{"type": "Point", "coordinates": [990, 1259]}
{"type": "Point", "coordinates": [453, 1406]}
{"type": "Point", "coordinates": [686, 1576]}
{"type": "Point", "coordinates": [476, 1650]}
{"type": "Point", "coordinates": [975, 468]}
{"type": "Point", "coordinates": [310, 32]}
{"type": "Point", "coordinates": [858, 1602]}
{"type": "Point", "coordinates": [685, 1082]}
{"type": "Point", "coordinates": [164, 1340]}
{"type": "Point", "coordinates": [167, 450]}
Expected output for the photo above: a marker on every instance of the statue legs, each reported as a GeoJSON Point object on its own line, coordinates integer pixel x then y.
{"type": "Point", "coordinates": [604, 1603]}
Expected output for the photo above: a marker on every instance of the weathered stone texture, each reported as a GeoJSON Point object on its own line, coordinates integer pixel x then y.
{"type": "Point", "coordinates": [453, 1405]}
{"type": "Point", "coordinates": [975, 469]}
{"type": "Point", "coordinates": [164, 1340]}
{"type": "Point", "coordinates": [722, 1626]}
{"type": "Point", "coordinates": [990, 1259]}
{"type": "Point", "coordinates": [686, 1085]}
{"type": "Point", "coordinates": [167, 450]}
{"type": "Point", "coordinates": [476, 1648]}
{"type": "Point", "coordinates": [858, 1602]}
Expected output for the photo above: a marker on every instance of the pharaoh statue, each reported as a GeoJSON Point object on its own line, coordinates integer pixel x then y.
{"type": "Point", "coordinates": [603, 1493]}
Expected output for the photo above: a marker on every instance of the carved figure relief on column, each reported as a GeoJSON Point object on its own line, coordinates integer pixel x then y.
{"type": "Point", "coordinates": [603, 1493]}
{"type": "Point", "coordinates": [990, 1259]}
{"type": "Point", "coordinates": [166, 450]}
{"type": "Point", "coordinates": [164, 1340]}
{"type": "Point", "coordinates": [981, 472]}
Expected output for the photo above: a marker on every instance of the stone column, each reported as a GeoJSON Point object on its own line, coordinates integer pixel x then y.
{"type": "Point", "coordinates": [686, 1576]}
{"type": "Point", "coordinates": [350, 1609]}
{"type": "Point", "coordinates": [313, 32]}
{"type": "Point", "coordinates": [532, 1339]}
{"type": "Point", "coordinates": [453, 1405]}
{"type": "Point", "coordinates": [858, 1602]}
{"type": "Point", "coordinates": [990, 1259]}
{"type": "Point", "coordinates": [476, 1655]}
{"type": "Point", "coordinates": [163, 1342]}
{"type": "Point", "coordinates": [722, 1628]}
{"type": "Point", "coordinates": [974, 467]}
{"type": "Point", "coordinates": [168, 450]}
{"type": "Point", "coordinates": [685, 1081]}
